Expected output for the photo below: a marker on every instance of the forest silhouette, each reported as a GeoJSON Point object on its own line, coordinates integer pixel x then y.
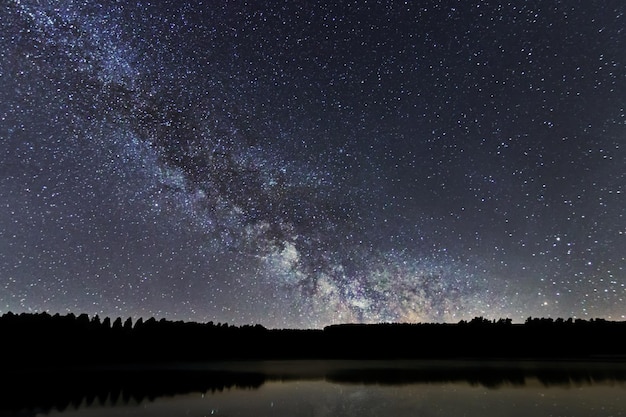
{"type": "Point", "coordinates": [63, 362]}
{"type": "Point", "coordinates": [42, 340]}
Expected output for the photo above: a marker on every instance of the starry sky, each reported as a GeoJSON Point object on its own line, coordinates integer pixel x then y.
{"type": "Point", "coordinates": [302, 163]}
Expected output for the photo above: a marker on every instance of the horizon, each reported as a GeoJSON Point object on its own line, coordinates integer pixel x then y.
{"type": "Point", "coordinates": [483, 320]}
{"type": "Point", "coordinates": [302, 164]}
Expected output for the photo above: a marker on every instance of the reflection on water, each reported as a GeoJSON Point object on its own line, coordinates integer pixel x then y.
{"type": "Point", "coordinates": [326, 389]}
{"type": "Point", "coordinates": [321, 398]}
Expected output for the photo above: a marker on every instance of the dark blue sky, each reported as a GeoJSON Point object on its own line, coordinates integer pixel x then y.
{"type": "Point", "coordinates": [303, 163]}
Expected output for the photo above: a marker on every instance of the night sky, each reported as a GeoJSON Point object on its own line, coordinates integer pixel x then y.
{"type": "Point", "coordinates": [301, 163]}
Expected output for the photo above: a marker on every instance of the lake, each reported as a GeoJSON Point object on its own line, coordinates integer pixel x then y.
{"type": "Point", "coordinates": [333, 388]}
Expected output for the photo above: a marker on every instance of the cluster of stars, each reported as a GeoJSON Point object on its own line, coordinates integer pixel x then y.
{"type": "Point", "coordinates": [297, 164]}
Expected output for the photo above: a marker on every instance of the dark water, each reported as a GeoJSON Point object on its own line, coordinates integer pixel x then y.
{"type": "Point", "coordinates": [310, 388]}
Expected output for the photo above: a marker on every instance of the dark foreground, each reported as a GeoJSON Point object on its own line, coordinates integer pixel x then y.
{"type": "Point", "coordinates": [38, 341]}
{"type": "Point", "coordinates": [61, 362]}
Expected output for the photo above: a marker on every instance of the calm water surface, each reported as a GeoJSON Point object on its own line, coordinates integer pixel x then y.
{"type": "Point", "coordinates": [316, 389]}
{"type": "Point", "coordinates": [320, 398]}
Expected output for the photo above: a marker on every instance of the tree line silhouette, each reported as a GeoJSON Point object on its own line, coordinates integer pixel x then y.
{"type": "Point", "coordinates": [41, 340]}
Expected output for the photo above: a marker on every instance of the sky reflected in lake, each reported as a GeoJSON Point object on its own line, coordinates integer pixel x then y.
{"type": "Point", "coordinates": [324, 398]}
